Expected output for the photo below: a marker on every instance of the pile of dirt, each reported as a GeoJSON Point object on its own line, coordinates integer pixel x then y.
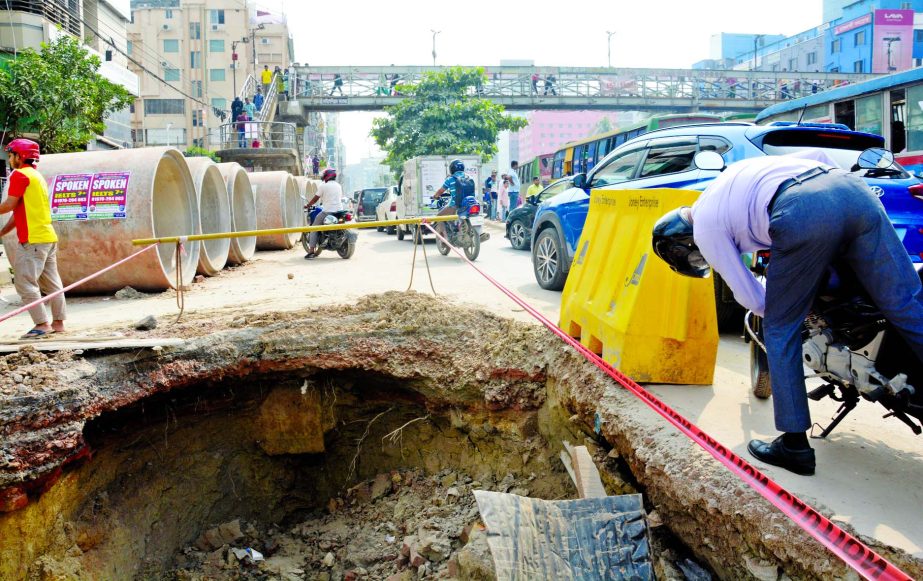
{"type": "Point", "coordinates": [30, 371]}
{"type": "Point", "coordinates": [401, 525]}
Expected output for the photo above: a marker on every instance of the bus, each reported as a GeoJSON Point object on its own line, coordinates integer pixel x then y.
{"type": "Point", "coordinates": [889, 106]}
{"type": "Point", "coordinates": [540, 166]}
{"type": "Point", "coordinates": [581, 156]}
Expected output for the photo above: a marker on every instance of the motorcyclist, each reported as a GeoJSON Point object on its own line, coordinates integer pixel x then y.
{"type": "Point", "coordinates": [456, 181]}
{"type": "Point", "coordinates": [330, 194]}
{"type": "Point", "coordinates": [808, 213]}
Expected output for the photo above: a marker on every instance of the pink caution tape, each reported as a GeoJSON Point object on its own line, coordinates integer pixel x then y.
{"type": "Point", "coordinates": [47, 298]}
{"type": "Point", "coordinates": [853, 552]}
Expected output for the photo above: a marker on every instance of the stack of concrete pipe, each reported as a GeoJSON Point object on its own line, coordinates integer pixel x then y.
{"type": "Point", "coordinates": [214, 214]}
{"type": "Point", "coordinates": [278, 205]}
{"type": "Point", "coordinates": [243, 211]}
{"type": "Point", "coordinates": [161, 201]}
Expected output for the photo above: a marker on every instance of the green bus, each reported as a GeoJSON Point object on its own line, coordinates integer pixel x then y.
{"type": "Point", "coordinates": [581, 156]}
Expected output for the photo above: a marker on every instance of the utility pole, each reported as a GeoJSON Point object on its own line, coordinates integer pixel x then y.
{"type": "Point", "coordinates": [435, 32]}
{"type": "Point", "coordinates": [253, 44]}
{"type": "Point", "coordinates": [609, 42]}
{"type": "Point", "coordinates": [756, 39]}
{"type": "Point", "coordinates": [234, 61]}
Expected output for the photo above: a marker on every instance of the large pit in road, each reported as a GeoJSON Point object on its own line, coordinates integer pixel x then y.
{"type": "Point", "coordinates": [324, 438]}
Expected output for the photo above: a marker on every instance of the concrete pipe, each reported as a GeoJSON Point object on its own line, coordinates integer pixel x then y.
{"type": "Point", "coordinates": [214, 214]}
{"type": "Point", "coordinates": [304, 188]}
{"type": "Point", "coordinates": [243, 211]}
{"type": "Point", "coordinates": [278, 205]}
{"type": "Point", "coordinates": [160, 200]}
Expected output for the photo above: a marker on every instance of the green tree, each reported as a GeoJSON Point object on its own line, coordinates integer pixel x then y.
{"type": "Point", "coordinates": [57, 95]}
{"type": "Point", "coordinates": [195, 151]}
{"type": "Point", "coordinates": [442, 115]}
{"type": "Point", "coordinates": [602, 126]}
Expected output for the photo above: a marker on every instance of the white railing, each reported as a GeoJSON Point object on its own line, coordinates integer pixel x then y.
{"type": "Point", "coordinates": [255, 134]}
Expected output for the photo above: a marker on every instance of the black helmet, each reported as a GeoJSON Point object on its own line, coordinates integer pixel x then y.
{"type": "Point", "coordinates": [674, 244]}
{"type": "Point", "coordinates": [456, 166]}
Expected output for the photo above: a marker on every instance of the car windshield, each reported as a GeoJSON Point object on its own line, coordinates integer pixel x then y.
{"type": "Point", "coordinates": [844, 149]}
{"type": "Point", "coordinates": [373, 195]}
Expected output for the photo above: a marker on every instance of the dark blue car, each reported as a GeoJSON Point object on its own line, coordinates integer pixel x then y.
{"type": "Point", "coordinates": [663, 159]}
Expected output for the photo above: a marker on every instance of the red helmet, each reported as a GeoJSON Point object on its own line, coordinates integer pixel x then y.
{"type": "Point", "coordinates": [24, 148]}
{"type": "Point", "coordinates": [329, 174]}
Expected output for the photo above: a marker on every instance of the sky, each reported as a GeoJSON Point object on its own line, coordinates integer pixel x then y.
{"type": "Point", "coordinates": [667, 33]}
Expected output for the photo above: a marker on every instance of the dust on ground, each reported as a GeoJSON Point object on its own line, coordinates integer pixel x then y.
{"type": "Point", "coordinates": [400, 526]}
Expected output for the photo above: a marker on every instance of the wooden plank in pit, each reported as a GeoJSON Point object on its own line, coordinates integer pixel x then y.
{"type": "Point", "coordinates": [583, 471]}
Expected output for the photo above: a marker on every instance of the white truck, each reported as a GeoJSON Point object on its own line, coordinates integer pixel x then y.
{"type": "Point", "coordinates": [422, 177]}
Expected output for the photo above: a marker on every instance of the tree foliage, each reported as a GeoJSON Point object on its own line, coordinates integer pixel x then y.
{"type": "Point", "coordinates": [57, 95]}
{"type": "Point", "coordinates": [442, 115]}
{"type": "Point", "coordinates": [195, 151]}
{"type": "Point", "coordinates": [604, 125]}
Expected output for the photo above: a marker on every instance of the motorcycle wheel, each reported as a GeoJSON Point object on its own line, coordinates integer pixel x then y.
{"type": "Point", "coordinates": [442, 247]}
{"type": "Point", "coordinates": [304, 242]}
{"type": "Point", "coordinates": [759, 367]}
{"type": "Point", "coordinates": [473, 248]}
{"type": "Point", "coordinates": [347, 249]}
{"type": "Point", "coordinates": [400, 232]}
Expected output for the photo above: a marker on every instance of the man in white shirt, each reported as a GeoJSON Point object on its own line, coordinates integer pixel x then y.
{"type": "Point", "coordinates": [330, 194]}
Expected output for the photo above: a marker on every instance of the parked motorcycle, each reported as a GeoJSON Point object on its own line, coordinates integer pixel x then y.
{"type": "Point", "coordinates": [848, 343]}
{"type": "Point", "coordinates": [342, 241]}
{"type": "Point", "coordinates": [465, 232]}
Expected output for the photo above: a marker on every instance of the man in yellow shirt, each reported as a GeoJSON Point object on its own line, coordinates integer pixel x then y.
{"type": "Point", "coordinates": [266, 79]}
{"type": "Point", "coordinates": [35, 263]}
{"type": "Point", "coordinates": [534, 189]}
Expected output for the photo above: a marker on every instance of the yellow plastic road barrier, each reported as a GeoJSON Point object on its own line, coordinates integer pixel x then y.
{"type": "Point", "coordinates": [626, 305]}
{"type": "Point", "coordinates": [272, 231]}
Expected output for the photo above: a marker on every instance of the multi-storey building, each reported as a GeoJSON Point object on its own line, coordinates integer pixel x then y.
{"type": "Point", "coordinates": [193, 57]}
{"type": "Point", "coordinates": [102, 26]}
{"type": "Point", "coordinates": [547, 131]}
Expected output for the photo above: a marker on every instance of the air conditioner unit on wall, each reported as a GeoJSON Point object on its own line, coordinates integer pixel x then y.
{"type": "Point", "coordinates": [264, 41]}
{"type": "Point", "coordinates": [166, 27]}
{"type": "Point", "coordinates": [216, 27]}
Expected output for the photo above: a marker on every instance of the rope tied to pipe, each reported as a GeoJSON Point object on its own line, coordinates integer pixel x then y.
{"type": "Point", "coordinates": [180, 297]}
{"type": "Point", "coordinates": [418, 239]}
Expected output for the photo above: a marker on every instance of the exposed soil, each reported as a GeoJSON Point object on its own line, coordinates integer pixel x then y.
{"type": "Point", "coordinates": [113, 464]}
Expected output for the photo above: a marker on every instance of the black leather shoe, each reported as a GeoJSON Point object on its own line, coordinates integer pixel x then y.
{"type": "Point", "coordinates": [776, 453]}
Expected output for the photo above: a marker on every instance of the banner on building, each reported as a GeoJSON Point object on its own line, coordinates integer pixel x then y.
{"type": "Point", "coordinates": [892, 45]}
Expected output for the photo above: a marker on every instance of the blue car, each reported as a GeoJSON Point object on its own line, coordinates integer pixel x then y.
{"type": "Point", "coordinates": [663, 159]}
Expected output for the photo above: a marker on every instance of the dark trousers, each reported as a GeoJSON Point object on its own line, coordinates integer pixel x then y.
{"type": "Point", "coordinates": [832, 216]}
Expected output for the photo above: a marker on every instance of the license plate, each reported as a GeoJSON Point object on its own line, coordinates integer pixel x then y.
{"type": "Point", "coordinates": [476, 220]}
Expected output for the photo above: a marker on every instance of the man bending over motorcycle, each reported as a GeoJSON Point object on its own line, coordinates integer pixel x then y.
{"type": "Point", "coordinates": [330, 194]}
{"type": "Point", "coordinates": [807, 213]}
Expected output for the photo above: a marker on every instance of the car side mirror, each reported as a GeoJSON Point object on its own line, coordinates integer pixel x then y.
{"type": "Point", "coordinates": [709, 160]}
{"type": "Point", "coordinates": [580, 181]}
{"type": "Point", "coordinates": [875, 158]}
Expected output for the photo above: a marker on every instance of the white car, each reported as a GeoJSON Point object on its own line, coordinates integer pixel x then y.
{"type": "Point", "coordinates": [387, 209]}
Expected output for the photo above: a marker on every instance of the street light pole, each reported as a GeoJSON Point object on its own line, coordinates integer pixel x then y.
{"type": "Point", "coordinates": [756, 38]}
{"type": "Point", "coordinates": [609, 42]}
{"type": "Point", "coordinates": [435, 32]}
{"type": "Point", "coordinates": [169, 126]}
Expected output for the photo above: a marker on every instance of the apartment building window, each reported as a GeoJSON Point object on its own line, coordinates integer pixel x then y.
{"type": "Point", "coordinates": [219, 103]}
{"type": "Point", "coordinates": [195, 59]}
{"type": "Point", "coordinates": [812, 58]}
{"type": "Point", "coordinates": [196, 88]}
{"type": "Point", "coordinates": [168, 14]}
{"type": "Point", "coordinates": [835, 46]}
{"type": "Point", "coordinates": [793, 64]}
{"type": "Point", "coordinates": [216, 75]}
{"type": "Point", "coordinates": [216, 46]}
{"type": "Point", "coordinates": [216, 16]}
{"type": "Point", "coordinates": [269, 57]}
{"type": "Point", "coordinates": [195, 30]}
{"type": "Point", "coordinates": [197, 118]}
{"type": "Point", "coordinates": [857, 67]}
{"type": "Point", "coordinates": [859, 38]}
{"type": "Point", "coordinates": [164, 107]}
{"type": "Point", "coordinates": [171, 75]}
{"type": "Point", "coordinates": [128, 46]}
{"type": "Point", "coordinates": [170, 45]}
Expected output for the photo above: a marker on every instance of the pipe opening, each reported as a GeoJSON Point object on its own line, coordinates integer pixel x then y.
{"type": "Point", "coordinates": [243, 206]}
{"type": "Point", "coordinates": [215, 216]}
{"type": "Point", "coordinates": [174, 213]}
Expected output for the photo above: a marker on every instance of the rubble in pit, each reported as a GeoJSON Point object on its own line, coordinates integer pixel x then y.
{"type": "Point", "coordinates": [31, 372]}
{"type": "Point", "coordinates": [402, 525]}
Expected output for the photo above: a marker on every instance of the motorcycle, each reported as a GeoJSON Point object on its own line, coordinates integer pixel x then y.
{"type": "Point", "coordinates": [466, 231]}
{"type": "Point", "coordinates": [342, 241]}
{"type": "Point", "coordinates": [848, 343]}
